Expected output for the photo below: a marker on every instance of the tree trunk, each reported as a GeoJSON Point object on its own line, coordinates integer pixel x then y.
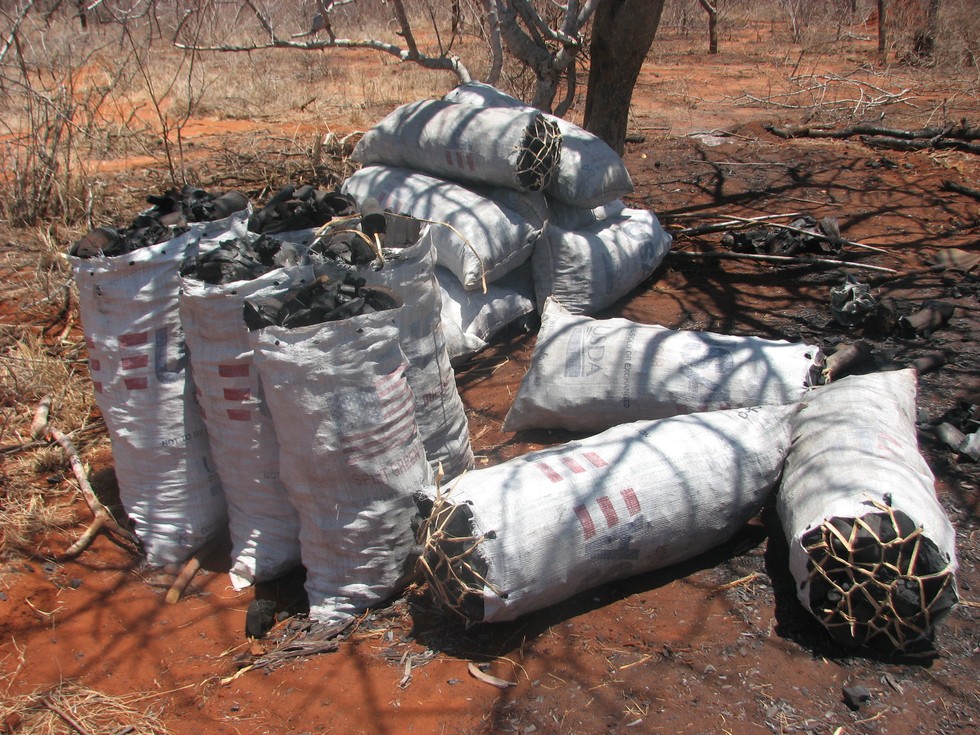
{"type": "Point", "coordinates": [712, 11]}
{"type": "Point", "coordinates": [882, 33]}
{"type": "Point", "coordinates": [622, 34]}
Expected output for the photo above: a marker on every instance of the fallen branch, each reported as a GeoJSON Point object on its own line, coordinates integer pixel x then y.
{"type": "Point", "coordinates": [803, 131]}
{"type": "Point", "coordinates": [780, 259]}
{"type": "Point", "coordinates": [103, 519]}
{"type": "Point", "coordinates": [729, 223]}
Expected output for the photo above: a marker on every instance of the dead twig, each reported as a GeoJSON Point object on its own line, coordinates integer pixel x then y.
{"type": "Point", "coordinates": [779, 259]}
{"type": "Point", "coordinates": [817, 235]}
{"type": "Point", "coordinates": [103, 519]}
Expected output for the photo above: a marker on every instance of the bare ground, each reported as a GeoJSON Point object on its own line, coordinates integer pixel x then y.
{"type": "Point", "coordinates": [717, 645]}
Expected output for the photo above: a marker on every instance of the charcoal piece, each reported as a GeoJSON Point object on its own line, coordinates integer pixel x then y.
{"type": "Point", "coordinates": [851, 302]}
{"type": "Point", "coordinates": [98, 241]}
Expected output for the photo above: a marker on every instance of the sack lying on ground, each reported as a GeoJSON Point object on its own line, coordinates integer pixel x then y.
{"type": "Point", "coordinates": [589, 173]}
{"type": "Point", "coordinates": [483, 239]}
{"type": "Point", "coordinates": [514, 148]}
{"type": "Point", "coordinates": [871, 549]}
{"type": "Point", "coordinates": [470, 319]}
{"type": "Point", "coordinates": [589, 374]}
{"type": "Point", "coordinates": [143, 386]}
{"type": "Point", "coordinates": [591, 269]}
{"type": "Point", "coordinates": [518, 536]}
{"type": "Point", "coordinates": [351, 457]}
{"type": "Point", "coordinates": [407, 269]}
{"type": "Point", "coordinates": [264, 525]}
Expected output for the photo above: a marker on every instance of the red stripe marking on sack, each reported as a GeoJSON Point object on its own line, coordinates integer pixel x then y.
{"type": "Point", "coordinates": [548, 471]}
{"type": "Point", "coordinates": [449, 157]}
{"type": "Point", "coordinates": [95, 365]}
{"type": "Point", "coordinates": [98, 386]}
{"type": "Point", "coordinates": [571, 464]}
{"type": "Point", "coordinates": [237, 394]}
{"type": "Point", "coordinates": [204, 414]}
{"type": "Point", "coordinates": [134, 339]}
{"type": "Point", "coordinates": [239, 414]}
{"type": "Point", "coordinates": [632, 502]}
{"type": "Point", "coordinates": [606, 506]}
{"type": "Point", "coordinates": [393, 435]}
{"type": "Point", "coordinates": [387, 384]}
{"type": "Point", "coordinates": [90, 343]}
{"type": "Point", "coordinates": [595, 459]}
{"type": "Point", "coordinates": [377, 433]}
{"type": "Point", "coordinates": [233, 371]}
{"type": "Point", "coordinates": [137, 362]}
{"type": "Point", "coordinates": [460, 161]}
{"type": "Point", "coordinates": [469, 159]}
{"type": "Point", "coordinates": [588, 526]}
{"type": "Point", "coordinates": [136, 383]}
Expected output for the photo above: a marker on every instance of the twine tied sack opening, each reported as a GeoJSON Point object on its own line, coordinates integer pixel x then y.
{"type": "Point", "coordinates": [871, 548]}
{"type": "Point", "coordinates": [143, 386]}
{"type": "Point", "coordinates": [518, 149]}
{"type": "Point", "coordinates": [530, 532]}
{"type": "Point", "coordinates": [590, 374]}
{"type": "Point", "coordinates": [351, 457]}
{"type": "Point", "coordinates": [404, 263]}
{"type": "Point", "coordinates": [263, 524]}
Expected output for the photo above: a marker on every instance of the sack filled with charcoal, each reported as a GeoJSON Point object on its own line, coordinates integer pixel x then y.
{"type": "Point", "coordinates": [263, 524]}
{"type": "Point", "coordinates": [590, 374]}
{"type": "Point", "coordinates": [245, 258]}
{"type": "Point", "coordinates": [395, 252]}
{"type": "Point", "coordinates": [350, 454]}
{"type": "Point", "coordinates": [871, 549]}
{"type": "Point", "coordinates": [519, 536]}
{"type": "Point", "coordinates": [128, 300]}
{"type": "Point", "coordinates": [517, 148]}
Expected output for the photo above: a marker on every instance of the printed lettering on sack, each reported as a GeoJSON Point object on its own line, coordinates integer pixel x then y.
{"type": "Point", "coordinates": [647, 251]}
{"type": "Point", "coordinates": [184, 439]}
{"type": "Point", "coordinates": [628, 365]}
{"type": "Point", "coordinates": [584, 351]}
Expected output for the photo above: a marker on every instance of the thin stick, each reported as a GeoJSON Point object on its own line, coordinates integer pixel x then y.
{"type": "Point", "coordinates": [781, 259]}
{"type": "Point", "coordinates": [69, 720]}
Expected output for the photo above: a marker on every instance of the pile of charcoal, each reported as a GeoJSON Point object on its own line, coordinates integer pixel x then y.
{"type": "Point", "coordinates": [375, 236]}
{"type": "Point", "coordinates": [307, 207]}
{"type": "Point", "coordinates": [803, 235]}
{"type": "Point", "coordinates": [241, 259]}
{"type": "Point", "coordinates": [169, 216]}
{"type": "Point", "coordinates": [323, 300]}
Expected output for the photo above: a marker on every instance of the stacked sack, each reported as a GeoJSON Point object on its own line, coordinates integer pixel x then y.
{"type": "Point", "coordinates": [525, 206]}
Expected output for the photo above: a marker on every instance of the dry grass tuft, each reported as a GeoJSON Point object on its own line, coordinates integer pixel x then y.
{"type": "Point", "coordinates": [70, 708]}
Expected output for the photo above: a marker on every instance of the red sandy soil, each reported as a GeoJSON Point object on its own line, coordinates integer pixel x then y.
{"type": "Point", "coordinates": [717, 645]}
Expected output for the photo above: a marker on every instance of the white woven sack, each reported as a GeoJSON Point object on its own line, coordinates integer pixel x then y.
{"type": "Point", "coordinates": [351, 457]}
{"type": "Point", "coordinates": [484, 239]}
{"type": "Point", "coordinates": [589, 374]}
{"type": "Point", "coordinates": [481, 145]}
{"type": "Point", "coordinates": [470, 319]}
{"type": "Point", "coordinates": [855, 452]}
{"type": "Point", "coordinates": [264, 525]}
{"type": "Point", "coordinates": [143, 386]}
{"type": "Point", "coordinates": [589, 174]}
{"type": "Point", "coordinates": [591, 269]}
{"type": "Point", "coordinates": [439, 410]}
{"type": "Point", "coordinates": [637, 497]}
